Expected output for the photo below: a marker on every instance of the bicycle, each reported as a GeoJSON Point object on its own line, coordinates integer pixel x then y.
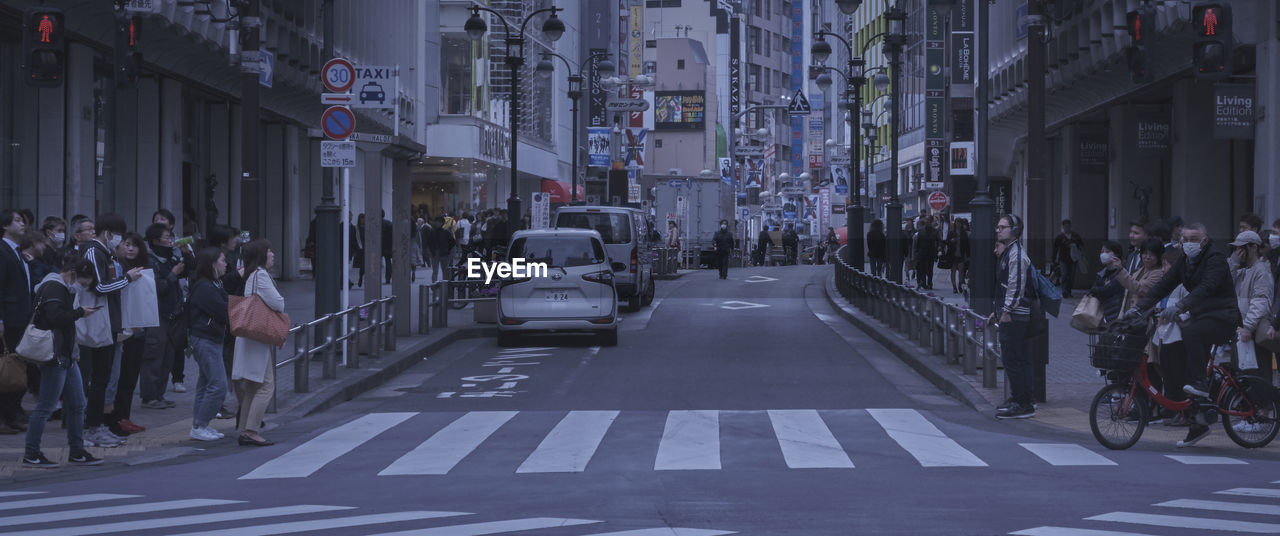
{"type": "Point", "coordinates": [1118, 413]}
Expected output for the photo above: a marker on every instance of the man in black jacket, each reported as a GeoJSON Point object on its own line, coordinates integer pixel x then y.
{"type": "Point", "coordinates": [790, 244]}
{"type": "Point", "coordinates": [437, 242]}
{"type": "Point", "coordinates": [724, 244]}
{"type": "Point", "coordinates": [386, 246]}
{"type": "Point", "coordinates": [95, 362]}
{"type": "Point", "coordinates": [15, 310]}
{"type": "Point", "coordinates": [1210, 306]}
{"type": "Point", "coordinates": [926, 253]}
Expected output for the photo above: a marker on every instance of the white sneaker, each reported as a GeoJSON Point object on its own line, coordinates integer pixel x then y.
{"type": "Point", "coordinates": [211, 431]}
{"type": "Point", "coordinates": [1246, 427]}
{"type": "Point", "coordinates": [96, 438]}
{"type": "Point", "coordinates": [178, 387]}
{"type": "Point", "coordinates": [202, 434]}
{"type": "Point", "coordinates": [105, 432]}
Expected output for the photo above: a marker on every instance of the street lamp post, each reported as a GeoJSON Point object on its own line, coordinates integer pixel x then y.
{"type": "Point", "coordinates": [553, 28]}
{"type": "Point", "coordinates": [893, 42]}
{"type": "Point", "coordinates": [545, 68]}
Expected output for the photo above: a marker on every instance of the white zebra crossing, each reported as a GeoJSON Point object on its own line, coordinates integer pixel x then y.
{"type": "Point", "coordinates": [690, 441]}
{"type": "Point", "coordinates": [364, 523]}
{"type": "Point", "coordinates": [1217, 523]}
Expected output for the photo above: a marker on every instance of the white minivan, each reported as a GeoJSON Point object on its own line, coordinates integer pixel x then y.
{"type": "Point", "coordinates": [576, 293]}
{"type": "Point", "coordinates": [623, 231]}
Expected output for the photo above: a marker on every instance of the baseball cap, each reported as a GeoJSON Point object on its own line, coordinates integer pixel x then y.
{"type": "Point", "coordinates": [1247, 237]}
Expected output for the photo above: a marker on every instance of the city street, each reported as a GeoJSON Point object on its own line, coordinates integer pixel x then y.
{"type": "Point", "coordinates": [743, 406]}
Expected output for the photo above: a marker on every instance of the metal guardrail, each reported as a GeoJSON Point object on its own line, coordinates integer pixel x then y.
{"type": "Point", "coordinates": [667, 261]}
{"type": "Point", "coordinates": [369, 327]}
{"type": "Point", "coordinates": [434, 301]}
{"type": "Point", "coordinates": [956, 332]}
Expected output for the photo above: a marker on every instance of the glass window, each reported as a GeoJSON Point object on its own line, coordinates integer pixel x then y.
{"type": "Point", "coordinates": [767, 78]}
{"type": "Point", "coordinates": [753, 35]}
{"type": "Point", "coordinates": [561, 252]}
{"type": "Point", "coordinates": [614, 227]}
{"type": "Point", "coordinates": [457, 74]}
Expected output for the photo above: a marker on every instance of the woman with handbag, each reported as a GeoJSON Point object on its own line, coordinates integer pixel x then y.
{"type": "Point", "coordinates": [208, 321]}
{"type": "Point", "coordinates": [1105, 287]}
{"type": "Point", "coordinates": [59, 375]}
{"type": "Point", "coordinates": [251, 368]}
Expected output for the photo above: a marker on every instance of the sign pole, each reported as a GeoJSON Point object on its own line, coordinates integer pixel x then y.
{"type": "Point", "coordinates": [327, 275]}
{"type": "Point", "coordinates": [346, 249]}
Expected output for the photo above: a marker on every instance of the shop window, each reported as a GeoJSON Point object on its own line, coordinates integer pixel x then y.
{"type": "Point", "coordinates": [458, 75]}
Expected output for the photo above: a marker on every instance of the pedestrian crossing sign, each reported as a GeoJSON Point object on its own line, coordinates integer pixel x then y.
{"type": "Point", "coordinates": [799, 104]}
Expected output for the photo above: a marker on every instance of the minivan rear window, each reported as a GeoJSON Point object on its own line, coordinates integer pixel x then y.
{"type": "Point", "coordinates": [614, 227]}
{"type": "Point", "coordinates": [564, 252]}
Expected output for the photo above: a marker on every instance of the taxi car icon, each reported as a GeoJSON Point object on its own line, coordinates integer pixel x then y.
{"type": "Point", "coordinates": [372, 92]}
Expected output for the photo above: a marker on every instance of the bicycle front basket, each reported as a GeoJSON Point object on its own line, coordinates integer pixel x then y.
{"type": "Point", "coordinates": [1117, 351]}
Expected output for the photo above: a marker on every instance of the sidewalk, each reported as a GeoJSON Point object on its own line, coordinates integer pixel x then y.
{"type": "Point", "coordinates": [166, 434]}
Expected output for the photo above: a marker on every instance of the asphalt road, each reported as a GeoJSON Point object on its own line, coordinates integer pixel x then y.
{"type": "Point", "coordinates": [742, 406]}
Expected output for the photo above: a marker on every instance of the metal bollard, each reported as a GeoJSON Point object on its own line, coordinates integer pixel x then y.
{"type": "Point", "coordinates": [938, 324]}
{"type": "Point", "coordinates": [271, 406]}
{"type": "Point", "coordinates": [972, 351]}
{"type": "Point", "coordinates": [331, 348]}
{"type": "Point", "coordinates": [988, 357]}
{"type": "Point", "coordinates": [302, 360]}
{"type": "Point", "coordinates": [949, 316]}
{"type": "Point", "coordinates": [424, 311]}
{"type": "Point", "coordinates": [389, 321]}
{"type": "Point", "coordinates": [351, 338]}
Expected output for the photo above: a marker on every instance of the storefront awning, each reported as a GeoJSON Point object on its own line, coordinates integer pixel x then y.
{"type": "Point", "coordinates": [560, 191]}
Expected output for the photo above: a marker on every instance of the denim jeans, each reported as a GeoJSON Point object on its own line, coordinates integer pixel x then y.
{"type": "Point", "coordinates": [1015, 352]}
{"type": "Point", "coordinates": [58, 382]}
{"type": "Point", "coordinates": [211, 388]}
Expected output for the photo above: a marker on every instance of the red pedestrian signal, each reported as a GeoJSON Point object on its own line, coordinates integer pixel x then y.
{"type": "Point", "coordinates": [43, 46]}
{"type": "Point", "coordinates": [1211, 54]}
{"type": "Point", "coordinates": [1139, 23]}
{"type": "Point", "coordinates": [128, 59]}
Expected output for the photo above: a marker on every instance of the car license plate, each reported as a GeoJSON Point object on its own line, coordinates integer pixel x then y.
{"type": "Point", "coordinates": [557, 295]}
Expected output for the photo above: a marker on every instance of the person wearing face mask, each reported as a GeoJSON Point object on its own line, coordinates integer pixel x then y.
{"type": "Point", "coordinates": [109, 278]}
{"type": "Point", "coordinates": [1254, 292]}
{"type": "Point", "coordinates": [1207, 315]}
{"type": "Point", "coordinates": [724, 243]}
{"type": "Point", "coordinates": [55, 231]}
{"type": "Point", "coordinates": [59, 377]}
{"type": "Point", "coordinates": [1106, 288]}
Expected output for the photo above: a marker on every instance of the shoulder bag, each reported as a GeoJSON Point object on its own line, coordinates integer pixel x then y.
{"type": "Point", "coordinates": [13, 372]}
{"type": "Point", "coordinates": [1088, 314]}
{"type": "Point", "coordinates": [36, 345]}
{"type": "Point", "coordinates": [250, 318]}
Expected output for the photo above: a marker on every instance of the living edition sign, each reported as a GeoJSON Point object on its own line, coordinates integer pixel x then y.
{"type": "Point", "coordinates": [1153, 128]}
{"type": "Point", "coordinates": [1233, 111]}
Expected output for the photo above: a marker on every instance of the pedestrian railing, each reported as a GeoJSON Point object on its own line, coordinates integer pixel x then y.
{"type": "Point", "coordinates": [369, 328]}
{"type": "Point", "coordinates": [944, 329]}
{"type": "Point", "coordinates": [667, 261]}
{"type": "Point", "coordinates": [435, 300]}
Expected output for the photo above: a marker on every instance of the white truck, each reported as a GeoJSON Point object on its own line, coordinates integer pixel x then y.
{"type": "Point", "coordinates": [697, 205]}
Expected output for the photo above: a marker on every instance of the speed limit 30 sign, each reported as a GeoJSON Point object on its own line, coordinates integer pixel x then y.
{"type": "Point", "coordinates": [338, 75]}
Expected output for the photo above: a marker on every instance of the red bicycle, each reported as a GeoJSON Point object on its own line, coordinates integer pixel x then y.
{"type": "Point", "coordinates": [1247, 405]}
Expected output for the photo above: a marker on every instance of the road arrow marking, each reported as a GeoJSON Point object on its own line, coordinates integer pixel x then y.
{"type": "Point", "coordinates": [759, 279]}
{"type": "Point", "coordinates": [740, 305]}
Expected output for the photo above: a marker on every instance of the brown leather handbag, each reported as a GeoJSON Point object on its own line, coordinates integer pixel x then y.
{"type": "Point", "coordinates": [250, 318]}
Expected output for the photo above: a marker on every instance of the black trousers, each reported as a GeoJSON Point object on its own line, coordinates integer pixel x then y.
{"type": "Point", "coordinates": [130, 366]}
{"type": "Point", "coordinates": [157, 360]}
{"type": "Point", "coordinates": [722, 261]}
{"type": "Point", "coordinates": [178, 346]}
{"type": "Point", "coordinates": [95, 367]}
{"type": "Point", "coordinates": [1199, 336]}
{"type": "Point", "coordinates": [924, 271]}
{"type": "Point", "coordinates": [1173, 365]}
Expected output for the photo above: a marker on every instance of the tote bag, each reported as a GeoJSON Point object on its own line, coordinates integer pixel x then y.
{"type": "Point", "coordinates": [250, 318]}
{"type": "Point", "coordinates": [93, 331]}
{"type": "Point", "coordinates": [13, 372]}
{"type": "Point", "coordinates": [138, 305]}
{"type": "Point", "coordinates": [1088, 314]}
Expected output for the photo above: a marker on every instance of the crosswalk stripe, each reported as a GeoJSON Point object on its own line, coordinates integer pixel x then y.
{"type": "Point", "coordinates": [672, 531]}
{"type": "Point", "coordinates": [1064, 531]}
{"type": "Point", "coordinates": [570, 445]}
{"type": "Point", "coordinates": [494, 527]}
{"type": "Point", "coordinates": [1224, 506]}
{"type": "Point", "coordinates": [309, 457]}
{"type": "Point", "coordinates": [1066, 454]}
{"type": "Point", "coordinates": [1252, 492]}
{"type": "Point", "coordinates": [147, 524]}
{"type": "Point", "coordinates": [69, 499]}
{"type": "Point", "coordinates": [806, 441]}
{"type": "Point", "coordinates": [690, 440]}
{"type": "Point", "coordinates": [923, 440]}
{"type": "Point", "coordinates": [1205, 460]}
{"type": "Point", "coordinates": [18, 493]}
{"type": "Point", "coordinates": [442, 451]}
{"type": "Point", "coordinates": [124, 509]}
{"type": "Point", "coordinates": [325, 524]}
{"type": "Point", "coordinates": [1185, 522]}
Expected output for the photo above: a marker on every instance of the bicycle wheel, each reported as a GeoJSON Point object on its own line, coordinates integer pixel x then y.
{"type": "Point", "coordinates": [1252, 432]}
{"type": "Point", "coordinates": [1117, 416]}
{"type": "Point", "coordinates": [460, 292]}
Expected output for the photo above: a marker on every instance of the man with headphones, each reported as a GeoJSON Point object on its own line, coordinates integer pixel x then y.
{"type": "Point", "coordinates": [1013, 315]}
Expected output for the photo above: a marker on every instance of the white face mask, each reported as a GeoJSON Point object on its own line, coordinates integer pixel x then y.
{"type": "Point", "coordinates": [1106, 257]}
{"type": "Point", "coordinates": [723, 227]}
{"type": "Point", "coordinates": [113, 243]}
{"type": "Point", "coordinates": [59, 239]}
{"type": "Point", "coordinates": [1192, 249]}
{"type": "Point", "coordinates": [1274, 240]}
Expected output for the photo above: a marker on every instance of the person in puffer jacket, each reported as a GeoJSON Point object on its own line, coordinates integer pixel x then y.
{"type": "Point", "coordinates": [208, 317]}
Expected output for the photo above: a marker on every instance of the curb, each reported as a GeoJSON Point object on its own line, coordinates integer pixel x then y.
{"type": "Point", "coordinates": [671, 277]}
{"type": "Point", "coordinates": [927, 365]}
{"type": "Point", "coordinates": [356, 385]}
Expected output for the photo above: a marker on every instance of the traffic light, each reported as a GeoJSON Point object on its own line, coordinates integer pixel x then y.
{"type": "Point", "coordinates": [128, 59]}
{"type": "Point", "coordinates": [43, 46]}
{"type": "Point", "coordinates": [1211, 53]}
{"type": "Point", "coordinates": [1140, 22]}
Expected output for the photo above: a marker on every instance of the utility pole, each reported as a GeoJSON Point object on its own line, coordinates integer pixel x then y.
{"type": "Point", "coordinates": [251, 25]}
{"type": "Point", "coordinates": [983, 275]}
{"type": "Point", "coordinates": [328, 265]}
{"type": "Point", "coordinates": [1037, 229]}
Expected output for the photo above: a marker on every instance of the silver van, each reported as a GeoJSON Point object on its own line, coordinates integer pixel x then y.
{"type": "Point", "coordinates": [625, 240]}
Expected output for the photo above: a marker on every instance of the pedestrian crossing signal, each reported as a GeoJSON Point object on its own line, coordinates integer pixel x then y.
{"type": "Point", "coordinates": [44, 46]}
{"type": "Point", "coordinates": [1211, 54]}
{"type": "Point", "coordinates": [1139, 23]}
{"type": "Point", "coordinates": [128, 59]}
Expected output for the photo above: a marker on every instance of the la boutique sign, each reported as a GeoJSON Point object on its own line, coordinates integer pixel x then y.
{"type": "Point", "coordinates": [495, 143]}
